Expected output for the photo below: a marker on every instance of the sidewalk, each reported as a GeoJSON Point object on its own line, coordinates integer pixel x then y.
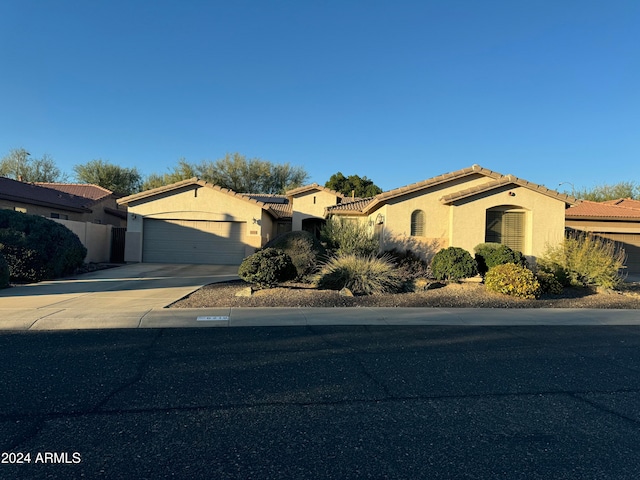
{"type": "Point", "coordinates": [134, 296]}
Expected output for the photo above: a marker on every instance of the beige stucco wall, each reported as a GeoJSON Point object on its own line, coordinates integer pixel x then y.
{"type": "Point", "coordinates": [97, 214]}
{"type": "Point", "coordinates": [601, 226]}
{"type": "Point", "coordinates": [397, 217]}
{"type": "Point", "coordinates": [40, 210]}
{"type": "Point", "coordinates": [463, 224]}
{"type": "Point", "coordinates": [310, 205]}
{"type": "Point", "coordinates": [195, 202]}
{"type": "Point", "coordinates": [96, 238]}
{"type": "Point", "coordinates": [544, 220]}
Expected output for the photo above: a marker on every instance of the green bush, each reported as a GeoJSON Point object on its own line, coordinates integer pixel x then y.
{"type": "Point", "coordinates": [548, 283]}
{"type": "Point", "coordinates": [453, 264]}
{"type": "Point", "coordinates": [488, 255]}
{"type": "Point", "coordinates": [512, 279]}
{"type": "Point", "coordinates": [4, 272]}
{"type": "Point", "coordinates": [349, 237]}
{"type": "Point", "coordinates": [362, 275]}
{"type": "Point", "coordinates": [304, 249]}
{"type": "Point", "coordinates": [585, 260]}
{"type": "Point", "coordinates": [37, 248]}
{"type": "Point", "coordinates": [266, 268]}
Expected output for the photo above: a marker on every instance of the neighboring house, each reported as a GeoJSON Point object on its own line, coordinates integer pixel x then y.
{"type": "Point", "coordinates": [196, 222]}
{"type": "Point", "coordinates": [617, 220]}
{"type": "Point", "coordinates": [54, 201]}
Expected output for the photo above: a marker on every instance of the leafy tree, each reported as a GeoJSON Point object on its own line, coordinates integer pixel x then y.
{"type": "Point", "coordinates": [604, 192]}
{"type": "Point", "coordinates": [353, 184]}
{"type": "Point", "coordinates": [237, 173]}
{"type": "Point", "coordinates": [253, 175]}
{"type": "Point", "coordinates": [19, 165]}
{"type": "Point", "coordinates": [183, 171]}
{"type": "Point", "coordinates": [120, 180]}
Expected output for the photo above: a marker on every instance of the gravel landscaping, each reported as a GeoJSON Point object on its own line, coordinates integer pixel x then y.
{"type": "Point", "coordinates": [466, 294]}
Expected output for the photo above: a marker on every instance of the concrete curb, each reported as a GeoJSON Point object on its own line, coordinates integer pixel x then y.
{"type": "Point", "coordinates": [59, 319]}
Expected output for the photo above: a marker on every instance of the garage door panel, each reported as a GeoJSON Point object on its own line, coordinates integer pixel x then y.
{"type": "Point", "coordinates": [631, 244]}
{"type": "Point", "coordinates": [193, 241]}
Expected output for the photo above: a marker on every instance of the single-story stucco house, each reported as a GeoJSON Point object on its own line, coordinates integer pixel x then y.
{"type": "Point", "coordinates": [193, 221]}
{"type": "Point", "coordinates": [64, 201]}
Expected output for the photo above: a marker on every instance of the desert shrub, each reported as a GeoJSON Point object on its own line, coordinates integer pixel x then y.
{"type": "Point", "coordinates": [362, 275]}
{"type": "Point", "coordinates": [37, 248]}
{"type": "Point", "coordinates": [453, 264]}
{"type": "Point", "coordinates": [585, 260]}
{"type": "Point", "coordinates": [4, 272]}
{"type": "Point", "coordinates": [304, 249]}
{"type": "Point", "coordinates": [266, 268]}
{"type": "Point", "coordinates": [488, 255]}
{"type": "Point", "coordinates": [548, 283]}
{"type": "Point", "coordinates": [347, 237]}
{"type": "Point", "coordinates": [512, 279]}
{"type": "Point", "coordinates": [410, 266]}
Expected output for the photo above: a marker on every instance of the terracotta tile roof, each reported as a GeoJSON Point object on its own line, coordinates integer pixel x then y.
{"type": "Point", "coordinates": [30, 193]}
{"type": "Point", "coordinates": [364, 206]}
{"type": "Point", "coordinates": [624, 202]}
{"type": "Point", "coordinates": [356, 206]}
{"type": "Point", "coordinates": [313, 186]}
{"type": "Point", "coordinates": [503, 181]}
{"type": "Point", "coordinates": [279, 204]}
{"type": "Point", "coordinates": [86, 190]}
{"type": "Point", "coordinates": [605, 211]}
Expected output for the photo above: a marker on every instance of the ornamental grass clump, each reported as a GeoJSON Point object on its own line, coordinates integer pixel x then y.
{"type": "Point", "coordinates": [514, 280]}
{"type": "Point", "coordinates": [266, 268]}
{"type": "Point", "coordinates": [346, 237]}
{"type": "Point", "coordinates": [453, 264]}
{"type": "Point", "coordinates": [362, 275]}
{"type": "Point", "coordinates": [585, 260]}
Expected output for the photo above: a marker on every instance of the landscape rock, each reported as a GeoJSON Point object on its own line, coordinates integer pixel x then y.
{"type": "Point", "coordinates": [345, 292]}
{"type": "Point", "coordinates": [245, 292]}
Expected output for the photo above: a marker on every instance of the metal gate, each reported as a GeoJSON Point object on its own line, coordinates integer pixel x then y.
{"type": "Point", "coordinates": [117, 244]}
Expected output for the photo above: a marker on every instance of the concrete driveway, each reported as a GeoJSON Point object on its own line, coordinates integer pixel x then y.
{"type": "Point", "coordinates": [112, 298]}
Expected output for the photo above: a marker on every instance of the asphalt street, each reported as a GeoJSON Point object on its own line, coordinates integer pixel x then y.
{"type": "Point", "coordinates": [315, 402]}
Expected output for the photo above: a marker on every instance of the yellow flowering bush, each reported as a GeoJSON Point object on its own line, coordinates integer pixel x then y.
{"type": "Point", "coordinates": [514, 280]}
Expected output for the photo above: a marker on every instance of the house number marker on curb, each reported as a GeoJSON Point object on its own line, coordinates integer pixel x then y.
{"type": "Point", "coordinates": [212, 319]}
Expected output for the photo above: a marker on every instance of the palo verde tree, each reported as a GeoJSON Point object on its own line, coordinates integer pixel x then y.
{"type": "Point", "coordinates": [120, 180]}
{"type": "Point", "coordinates": [183, 171]}
{"type": "Point", "coordinates": [20, 165]}
{"type": "Point", "coordinates": [604, 192]}
{"type": "Point", "coordinates": [237, 173]}
{"type": "Point", "coordinates": [353, 185]}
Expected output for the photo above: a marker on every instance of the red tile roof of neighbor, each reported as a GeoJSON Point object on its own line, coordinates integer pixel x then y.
{"type": "Point", "coordinates": [624, 202]}
{"type": "Point", "coordinates": [603, 210]}
{"type": "Point", "coordinates": [36, 195]}
{"type": "Point", "coordinates": [86, 190]}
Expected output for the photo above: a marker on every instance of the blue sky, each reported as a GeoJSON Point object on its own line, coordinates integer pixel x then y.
{"type": "Point", "coordinates": [398, 91]}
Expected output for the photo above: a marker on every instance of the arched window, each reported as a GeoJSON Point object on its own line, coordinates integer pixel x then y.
{"type": "Point", "coordinates": [417, 223]}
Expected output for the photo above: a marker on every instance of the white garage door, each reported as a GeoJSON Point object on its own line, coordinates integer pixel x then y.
{"type": "Point", "coordinates": [193, 241]}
